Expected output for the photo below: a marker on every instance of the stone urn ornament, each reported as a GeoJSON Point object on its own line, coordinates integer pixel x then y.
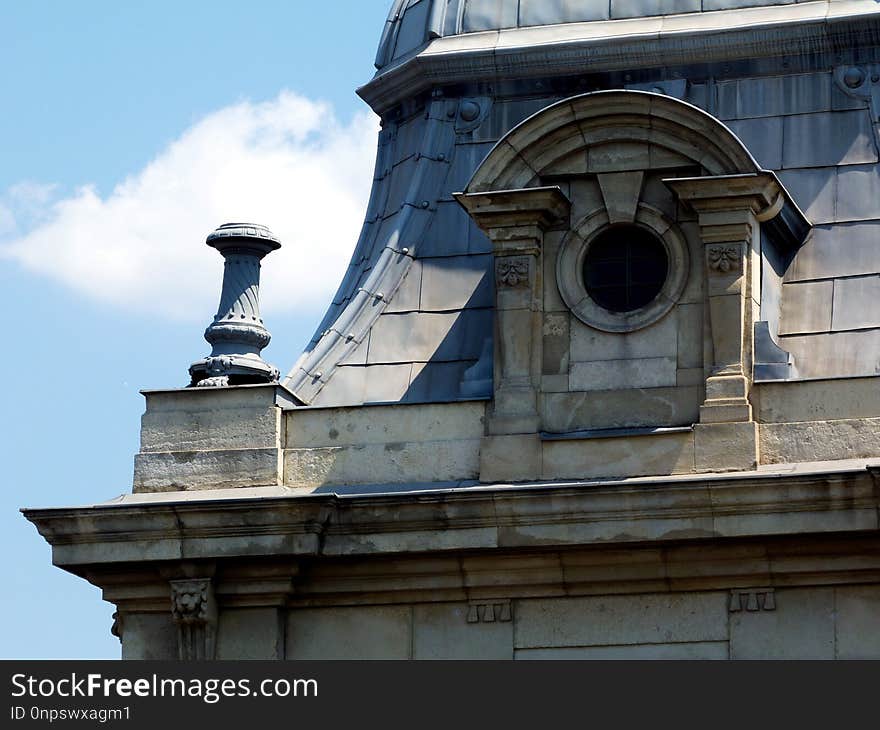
{"type": "Point", "coordinates": [237, 334]}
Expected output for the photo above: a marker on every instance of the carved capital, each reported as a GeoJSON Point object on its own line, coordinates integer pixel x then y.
{"type": "Point", "coordinates": [194, 610]}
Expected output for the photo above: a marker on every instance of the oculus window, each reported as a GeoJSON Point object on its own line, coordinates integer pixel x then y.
{"type": "Point", "coordinates": [625, 268]}
{"type": "Point", "coordinates": [620, 277]}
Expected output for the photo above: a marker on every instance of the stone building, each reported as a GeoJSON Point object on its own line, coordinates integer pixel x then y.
{"type": "Point", "coordinates": [601, 379]}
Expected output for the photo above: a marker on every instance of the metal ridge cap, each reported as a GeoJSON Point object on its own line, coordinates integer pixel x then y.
{"type": "Point", "coordinates": [414, 74]}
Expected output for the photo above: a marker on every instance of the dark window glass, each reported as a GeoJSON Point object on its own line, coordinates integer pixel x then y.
{"type": "Point", "coordinates": [625, 268]}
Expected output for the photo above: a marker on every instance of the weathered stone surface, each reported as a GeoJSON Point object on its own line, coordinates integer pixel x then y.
{"type": "Point", "coordinates": [510, 458]}
{"type": "Point", "coordinates": [690, 377]}
{"type": "Point", "coordinates": [149, 636]}
{"type": "Point", "coordinates": [817, 400]}
{"type": "Point", "coordinates": [820, 440]}
{"type": "Point", "coordinates": [554, 383]}
{"type": "Point", "coordinates": [250, 633]}
{"type": "Point", "coordinates": [800, 627]}
{"type": "Point", "coordinates": [621, 620]}
{"type": "Point", "coordinates": [621, 191]}
{"type": "Point", "coordinates": [691, 337]}
{"type": "Point", "coordinates": [619, 457]}
{"type": "Point", "coordinates": [210, 418]}
{"type": "Point", "coordinates": [856, 616]}
{"type": "Point", "coordinates": [552, 297]}
{"type": "Point", "coordinates": [203, 438]}
{"type": "Point", "coordinates": [214, 469]}
{"type": "Point", "coordinates": [564, 412]}
{"type": "Point", "coordinates": [586, 198]}
{"type": "Point", "coordinates": [185, 430]}
{"type": "Point", "coordinates": [368, 632]}
{"type": "Point", "coordinates": [726, 446]}
{"type": "Point", "coordinates": [658, 340]}
{"type": "Point", "coordinates": [384, 424]}
{"type": "Point", "coordinates": [555, 349]}
{"type": "Point", "coordinates": [460, 631]}
{"type": "Point", "coordinates": [649, 372]}
{"type": "Point", "coordinates": [382, 463]}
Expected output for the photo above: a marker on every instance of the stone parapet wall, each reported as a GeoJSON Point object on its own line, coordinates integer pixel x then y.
{"type": "Point", "coordinates": [253, 436]}
{"type": "Point", "coordinates": [396, 444]}
{"type": "Point", "coordinates": [818, 420]}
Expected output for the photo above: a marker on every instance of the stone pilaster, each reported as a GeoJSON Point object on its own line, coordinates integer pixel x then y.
{"type": "Point", "coordinates": [515, 221]}
{"type": "Point", "coordinates": [730, 210]}
{"type": "Point", "coordinates": [194, 610]}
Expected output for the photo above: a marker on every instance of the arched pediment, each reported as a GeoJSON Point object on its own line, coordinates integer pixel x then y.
{"type": "Point", "coordinates": [610, 131]}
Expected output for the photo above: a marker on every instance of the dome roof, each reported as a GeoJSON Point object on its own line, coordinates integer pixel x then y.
{"type": "Point", "coordinates": [411, 23]}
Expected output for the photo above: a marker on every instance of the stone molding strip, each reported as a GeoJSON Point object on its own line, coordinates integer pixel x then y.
{"type": "Point", "coordinates": [743, 33]}
{"type": "Point", "coordinates": [748, 569]}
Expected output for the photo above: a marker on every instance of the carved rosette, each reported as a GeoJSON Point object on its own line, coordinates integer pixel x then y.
{"type": "Point", "coordinates": [724, 260]}
{"type": "Point", "coordinates": [194, 610]}
{"type": "Point", "coordinates": [512, 272]}
{"type": "Point", "coordinates": [237, 334]}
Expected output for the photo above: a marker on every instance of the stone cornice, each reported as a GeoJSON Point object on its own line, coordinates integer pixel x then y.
{"type": "Point", "coordinates": [627, 513]}
{"type": "Point", "coordinates": [763, 194]}
{"type": "Point", "coordinates": [542, 207]}
{"type": "Point", "coordinates": [721, 36]}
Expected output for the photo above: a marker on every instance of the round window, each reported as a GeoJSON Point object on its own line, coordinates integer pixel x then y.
{"type": "Point", "coordinates": [625, 268]}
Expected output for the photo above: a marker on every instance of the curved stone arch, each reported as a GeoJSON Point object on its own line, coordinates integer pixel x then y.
{"type": "Point", "coordinates": [561, 138]}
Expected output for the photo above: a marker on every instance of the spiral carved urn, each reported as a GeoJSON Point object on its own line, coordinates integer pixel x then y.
{"type": "Point", "coordinates": [237, 335]}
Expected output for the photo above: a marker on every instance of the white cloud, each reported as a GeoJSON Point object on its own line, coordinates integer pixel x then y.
{"type": "Point", "coordinates": [7, 220]}
{"type": "Point", "coordinates": [289, 164]}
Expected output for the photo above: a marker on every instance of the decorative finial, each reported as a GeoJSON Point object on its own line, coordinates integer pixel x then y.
{"type": "Point", "coordinates": [237, 335]}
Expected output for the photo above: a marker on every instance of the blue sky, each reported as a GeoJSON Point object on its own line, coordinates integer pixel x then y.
{"type": "Point", "coordinates": [130, 130]}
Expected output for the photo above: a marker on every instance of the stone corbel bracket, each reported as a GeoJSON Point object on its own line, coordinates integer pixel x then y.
{"type": "Point", "coordinates": [194, 609]}
{"type": "Point", "coordinates": [490, 612]}
{"type": "Point", "coordinates": [752, 600]}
